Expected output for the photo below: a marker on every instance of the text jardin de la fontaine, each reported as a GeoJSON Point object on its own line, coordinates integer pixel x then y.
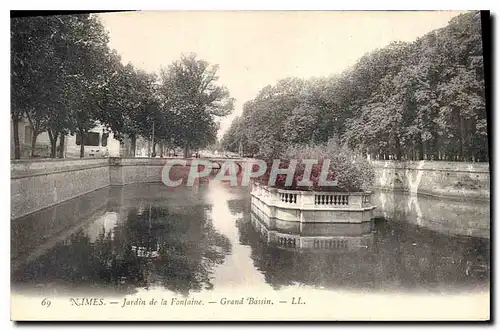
{"type": "Point", "coordinates": [196, 302]}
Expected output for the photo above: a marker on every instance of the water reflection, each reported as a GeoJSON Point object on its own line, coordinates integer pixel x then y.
{"type": "Point", "coordinates": [228, 206]}
{"type": "Point", "coordinates": [313, 235]}
{"type": "Point", "coordinates": [34, 234]}
{"type": "Point", "coordinates": [102, 227]}
{"type": "Point", "coordinates": [79, 262]}
{"type": "Point", "coordinates": [380, 255]}
{"type": "Point", "coordinates": [206, 237]}
{"type": "Point", "coordinates": [454, 217]}
{"type": "Point", "coordinates": [182, 250]}
{"type": "Point", "coordinates": [397, 257]}
{"type": "Point", "coordinates": [151, 246]}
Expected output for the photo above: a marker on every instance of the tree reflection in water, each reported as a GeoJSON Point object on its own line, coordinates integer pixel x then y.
{"type": "Point", "coordinates": [403, 257]}
{"type": "Point", "coordinates": [188, 247]}
{"type": "Point", "coordinates": [152, 247]}
{"type": "Point", "coordinates": [168, 240]}
{"type": "Point", "coordinates": [79, 262]}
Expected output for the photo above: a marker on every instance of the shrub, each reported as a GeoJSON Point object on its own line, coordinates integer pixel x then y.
{"type": "Point", "coordinates": [352, 171]}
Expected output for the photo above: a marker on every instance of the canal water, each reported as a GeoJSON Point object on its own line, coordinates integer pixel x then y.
{"type": "Point", "coordinates": [124, 240]}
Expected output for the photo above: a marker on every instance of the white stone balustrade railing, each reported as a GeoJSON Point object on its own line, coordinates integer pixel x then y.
{"type": "Point", "coordinates": [295, 199]}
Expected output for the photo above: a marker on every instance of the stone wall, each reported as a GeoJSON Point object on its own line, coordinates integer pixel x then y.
{"type": "Point", "coordinates": [43, 183]}
{"type": "Point", "coordinates": [462, 180]}
{"type": "Point", "coordinates": [125, 171]}
{"type": "Point", "coordinates": [135, 170]}
{"type": "Point", "coordinates": [38, 184]}
{"type": "Point", "coordinates": [448, 216]}
{"type": "Point", "coordinates": [54, 223]}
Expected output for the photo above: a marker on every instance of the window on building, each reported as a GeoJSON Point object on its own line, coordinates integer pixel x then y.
{"type": "Point", "coordinates": [104, 141]}
{"type": "Point", "coordinates": [28, 134]}
{"type": "Point", "coordinates": [91, 139]}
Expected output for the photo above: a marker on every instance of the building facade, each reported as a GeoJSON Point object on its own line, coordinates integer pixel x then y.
{"type": "Point", "coordinates": [98, 143]}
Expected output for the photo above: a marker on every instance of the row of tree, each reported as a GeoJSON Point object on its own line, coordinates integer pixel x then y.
{"type": "Point", "coordinates": [414, 101]}
{"type": "Point", "coordinates": [66, 80]}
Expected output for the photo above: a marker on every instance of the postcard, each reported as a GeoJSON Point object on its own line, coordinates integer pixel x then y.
{"type": "Point", "coordinates": [250, 166]}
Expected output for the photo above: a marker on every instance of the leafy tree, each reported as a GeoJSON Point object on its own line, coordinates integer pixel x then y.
{"type": "Point", "coordinates": [34, 73]}
{"type": "Point", "coordinates": [58, 69]}
{"type": "Point", "coordinates": [86, 72]}
{"type": "Point", "coordinates": [190, 91]}
{"type": "Point", "coordinates": [420, 100]}
{"type": "Point", "coordinates": [300, 126]}
{"type": "Point", "coordinates": [267, 112]}
{"type": "Point", "coordinates": [234, 136]}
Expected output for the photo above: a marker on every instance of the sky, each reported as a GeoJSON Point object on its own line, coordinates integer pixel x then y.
{"type": "Point", "coordinates": [257, 48]}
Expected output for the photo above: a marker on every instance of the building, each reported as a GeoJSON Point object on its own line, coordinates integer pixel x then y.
{"type": "Point", "coordinates": [42, 147]}
{"type": "Point", "coordinates": [98, 143]}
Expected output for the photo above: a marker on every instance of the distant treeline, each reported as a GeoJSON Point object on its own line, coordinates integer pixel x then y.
{"type": "Point", "coordinates": [407, 101]}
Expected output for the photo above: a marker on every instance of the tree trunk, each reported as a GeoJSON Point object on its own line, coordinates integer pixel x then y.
{"type": "Point", "coordinates": [53, 143]}
{"type": "Point", "coordinates": [153, 151]}
{"type": "Point", "coordinates": [161, 148]}
{"type": "Point", "coordinates": [462, 153]}
{"type": "Point", "coordinates": [468, 150]}
{"type": "Point", "coordinates": [61, 145]}
{"type": "Point", "coordinates": [149, 147]}
{"type": "Point", "coordinates": [397, 148]}
{"type": "Point", "coordinates": [17, 147]}
{"type": "Point", "coordinates": [33, 143]}
{"type": "Point", "coordinates": [435, 148]}
{"type": "Point", "coordinates": [82, 150]}
{"type": "Point", "coordinates": [420, 142]}
{"type": "Point", "coordinates": [82, 144]}
{"type": "Point", "coordinates": [425, 149]}
{"type": "Point", "coordinates": [133, 141]}
{"type": "Point", "coordinates": [186, 150]}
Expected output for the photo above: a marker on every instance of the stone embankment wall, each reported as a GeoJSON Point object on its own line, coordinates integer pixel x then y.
{"type": "Point", "coordinates": [448, 216]}
{"type": "Point", "coordinates": [470, 181]}
{"type": "Point", "coordinates": [39, 184]}
{"type": "Point", "coordinates": [43, 183]}
{"type": "Point", "coordinates": [53, 224]}
{"type": "Point", "coordinates": [123, 171]}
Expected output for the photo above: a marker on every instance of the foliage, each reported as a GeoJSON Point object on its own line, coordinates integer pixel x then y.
{"type": "Point", "coordinates": [351, 171]}
{"type": "Point", "coordinates": [66, 79]}
{"type": "Point", "coordinates": [190, 92]}
{"type": "Point", "coordinates": [234, 136]}
{"type": "Point", "coordinates": [420, 100]}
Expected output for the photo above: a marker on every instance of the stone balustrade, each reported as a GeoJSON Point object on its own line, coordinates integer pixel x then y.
{"type": "Point", "coordinates": [294, 219]}
{"type": "Point", "coordinates": [310, 200]}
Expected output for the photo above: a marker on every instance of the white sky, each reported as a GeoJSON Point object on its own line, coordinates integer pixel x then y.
{"type": "Point", "coordinates": [257, 48]}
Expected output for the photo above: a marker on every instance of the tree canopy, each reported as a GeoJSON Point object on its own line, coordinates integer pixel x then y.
{"type": "Point", "coordinates": [414, 101]}
{"type": "Point", "coordinates": [66, 79]}
{"type": "Point", "coordinates": [190, 92]}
